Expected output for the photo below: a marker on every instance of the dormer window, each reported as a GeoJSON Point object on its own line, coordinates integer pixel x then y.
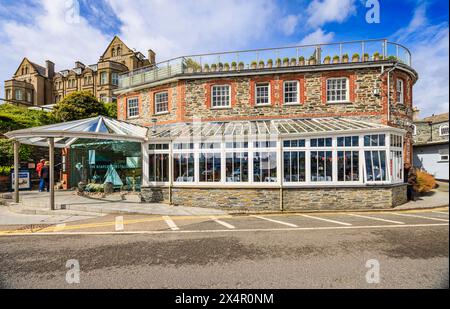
{"type": "Point", "coordinates": [119, 51]}
{"type": "Point", "coordinates": [113, 52]}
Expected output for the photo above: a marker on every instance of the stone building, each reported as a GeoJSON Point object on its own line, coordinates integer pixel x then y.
{"type": "Point", "coordinates": [431, 144]}
{"type": "Point", "coordinates": [36, 85]}
{"type": "Point", "coordinates": [249, 129]}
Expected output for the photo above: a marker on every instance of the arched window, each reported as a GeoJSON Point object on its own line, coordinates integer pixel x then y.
{"type": "Point", "coordinates": [443, 130]}
{"type": "Point", "coordinates": [113, 52]}
{"type": "Point", "coordinates": [119, 51]}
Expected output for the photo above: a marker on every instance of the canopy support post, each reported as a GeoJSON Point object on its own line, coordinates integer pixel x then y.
{"type": "Point", "coordinates": [16, 171]}
{"type": "Point", "coordinates": [51, 153]}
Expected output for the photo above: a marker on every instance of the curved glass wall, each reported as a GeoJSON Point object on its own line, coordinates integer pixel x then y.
{"type": "Point", "coordinates": [100, 162]}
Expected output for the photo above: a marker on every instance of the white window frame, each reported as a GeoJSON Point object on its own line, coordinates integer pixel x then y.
{"type": "Point", "coordinates": [442, 128]}
{"type": "Point", "coordinates": [115, 78]}
{"type": "Point", "coordinates": [161, 103]}
{"type": "Point", "coordinates": [414, 130]}
{"type": "Point", "coordinates": [149, 152]}
{"type": "Point", "coordinates": [18, 95]}
{"type": "Point", "coordinates": [347, 90]}
{"type": "Point", "coordinates": [213, 97]}
{"type": "Point", "coordinates": [263, 84]}
{"type": "Point", "coordinates": [103, 78]}
{"type": "Point", "coordinates": [297, 92]}
{"type": "Point", "coordinates": [29, 97]}
{"type": "Point", "coordinates": [135, 114]}
{"type": "Point", "coordinates": [400, 91]}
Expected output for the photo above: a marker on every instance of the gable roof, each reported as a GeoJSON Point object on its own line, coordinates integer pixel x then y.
{"type": "Point", "coordinates": [38, 68]}
{"type": "Point", "coordinates": [116, 39]}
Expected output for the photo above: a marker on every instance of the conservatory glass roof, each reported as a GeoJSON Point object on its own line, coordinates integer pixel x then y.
{"type": "Point", "coordinates": [277, 127]}
{"type": "Point", "coordinates": [66, 133]}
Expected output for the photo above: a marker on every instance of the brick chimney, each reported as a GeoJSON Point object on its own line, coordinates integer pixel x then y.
{"type": "Point", "coordinates": [50, 69]}
{"type": "Point", "coordinates": [416, 113]}
{"type": "Point", "coordinates": [151, 57]}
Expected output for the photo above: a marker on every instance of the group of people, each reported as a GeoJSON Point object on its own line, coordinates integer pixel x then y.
{"type": "Point", "coordinates": [43, 171]}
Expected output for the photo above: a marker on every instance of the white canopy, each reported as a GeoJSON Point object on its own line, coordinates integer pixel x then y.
{"type": "Point", "coordinates": [66, 133]}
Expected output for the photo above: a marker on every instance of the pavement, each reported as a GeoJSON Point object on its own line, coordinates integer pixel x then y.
{"type": "Point", "coordinates": [406, 249]}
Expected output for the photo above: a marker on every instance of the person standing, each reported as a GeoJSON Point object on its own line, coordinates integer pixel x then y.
{"type": "Point", "coordinates": [45, 175]}
{"type": "Point", "coordinates": [39, 167]}
{"type": "Point", "coordinates": [410, 178]}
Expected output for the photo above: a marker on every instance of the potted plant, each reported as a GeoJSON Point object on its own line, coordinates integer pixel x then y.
{"type": "Point", "coordinates": [392, 58]}
{"type": "Point", "coordinates": [286, 61]}
{"type": "Point", "coordinates": [220, 66]}
{"type": "Point", "coordinates": [376, 56]}
{"type": "Point", "coordinates": [213, 67]}
{"type": "Point", "coordinates": [355, 57]}
{"type": "Point", "coordinates": [301, 60]}
{"type": "Point", "coordinates": [293, 62]}
{"type": "Point", "coordinates": [261, 64]}
{"type": "Point", "coordinates": [234, 66]}
{"type": "Point", "coordinates": [345, 58]}
{"type": "Point", "coordinates": [206, 68]}
{"type": "Point", "coordinates": [226, 67]}
{"type": "Point", "coordinates": [241, 65]}
{"type": "Point", "coordinates": [327, 60]}
{"type": "Point", "coordinates": [335, 59]}
{"type": "Point", "coordinates": [270, 63]}
{"type": "Point", "coordinates": [278, 62]}
{"type": "Point", "coordinates": [312, 60]}
{"type": "Point", "coordinates": [366, 57]}
{"type": "Point", "coordinates": [253, 65]}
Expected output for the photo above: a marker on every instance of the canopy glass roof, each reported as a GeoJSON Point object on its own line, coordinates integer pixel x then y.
{"type": "Point", "coordinates": [67, 133]}
{"type": "Point", "coordinates": [278, 127]}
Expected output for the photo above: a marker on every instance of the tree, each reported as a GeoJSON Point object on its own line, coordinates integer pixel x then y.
{"type": "Point", "coordinates": [111, 109]}
{"type": "Point", "coordinates": [79, 105]}
{"type": "Point", "coordinates": [15, 118]}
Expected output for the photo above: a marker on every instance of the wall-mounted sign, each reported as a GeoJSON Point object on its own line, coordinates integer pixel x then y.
{"type": "Point", "coordinates": [24, 180]}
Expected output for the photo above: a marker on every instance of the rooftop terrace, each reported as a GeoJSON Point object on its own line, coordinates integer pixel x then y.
{"type": "Point", "coordinates": [268, 59]}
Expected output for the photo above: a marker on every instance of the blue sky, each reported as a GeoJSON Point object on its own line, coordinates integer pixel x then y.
{"type": "Point", "coordinates": [46, 29]}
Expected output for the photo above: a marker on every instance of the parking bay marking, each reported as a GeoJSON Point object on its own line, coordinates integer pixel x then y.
{"type": "Point", "coordinates": [170, 223]}
{"type": "Point", "coordinates": [377, 219]}
{"type": "Point", "coordinates": [327, 220]}
{"type": "Point", "coordinates": [275, 221]}
{"type": "Point", "coordinates": [421, 217]}
{"type": "Point", "coordinates": [225, 224]}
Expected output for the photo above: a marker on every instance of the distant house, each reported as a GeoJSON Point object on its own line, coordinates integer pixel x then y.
{"type": "Point", "coordinates": [431, 145]}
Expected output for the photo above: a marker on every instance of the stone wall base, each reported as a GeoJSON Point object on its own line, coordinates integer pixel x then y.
{"type": "Point", "coordinates": [269, 199]}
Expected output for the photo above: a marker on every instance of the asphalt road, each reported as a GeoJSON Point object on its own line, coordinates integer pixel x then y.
{"type": "Point", "coordinates": [268, 251]}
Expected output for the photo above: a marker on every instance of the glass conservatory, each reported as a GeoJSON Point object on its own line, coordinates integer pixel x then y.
{"type": "Point", "coordinates": [273, 153]}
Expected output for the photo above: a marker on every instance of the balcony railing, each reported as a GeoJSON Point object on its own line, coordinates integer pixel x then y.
{"type": "Point", "coordinates": [268, 58]}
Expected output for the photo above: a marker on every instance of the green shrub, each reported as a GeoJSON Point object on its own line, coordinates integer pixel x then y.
{"type": "Point", "coordinates": [5, 170]}
{"type": "Point", "coordinates": [301, 58]}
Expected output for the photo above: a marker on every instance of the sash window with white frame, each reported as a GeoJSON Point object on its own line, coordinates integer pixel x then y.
{"type": "Point", "coordinates": [161, 102]}
{"type": "Point", "coordinates": [337, 90]}
{"type": "Point", "coordinates": [262, 91]}
{"type": "Point", "coordinates": [291, 92]}
{"type": "Point", "coordinates": [220, 96]}
{"type": "Point", "coordinates": [132, 107]}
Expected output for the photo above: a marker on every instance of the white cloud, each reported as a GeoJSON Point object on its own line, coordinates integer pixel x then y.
{"type": "Point", "coordinates": [429, 45]}
{"type": "Point", "coordinates": [289, 24]}
{"type": "Point", "coordinates": [174, 28]}
{"type": "Point", "coordinates": [324, 11]}
{"type": "Point", "coordinates": [48, 36]}
{"type": "Point", "coordinates": [316, 37]}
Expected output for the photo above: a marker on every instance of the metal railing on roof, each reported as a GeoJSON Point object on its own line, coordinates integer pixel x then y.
{"type": "Point", "coordinates": [268, 58]}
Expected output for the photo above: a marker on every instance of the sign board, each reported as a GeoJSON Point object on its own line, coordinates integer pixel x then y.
{"type": "Point", "coordinates": [24, 180]}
